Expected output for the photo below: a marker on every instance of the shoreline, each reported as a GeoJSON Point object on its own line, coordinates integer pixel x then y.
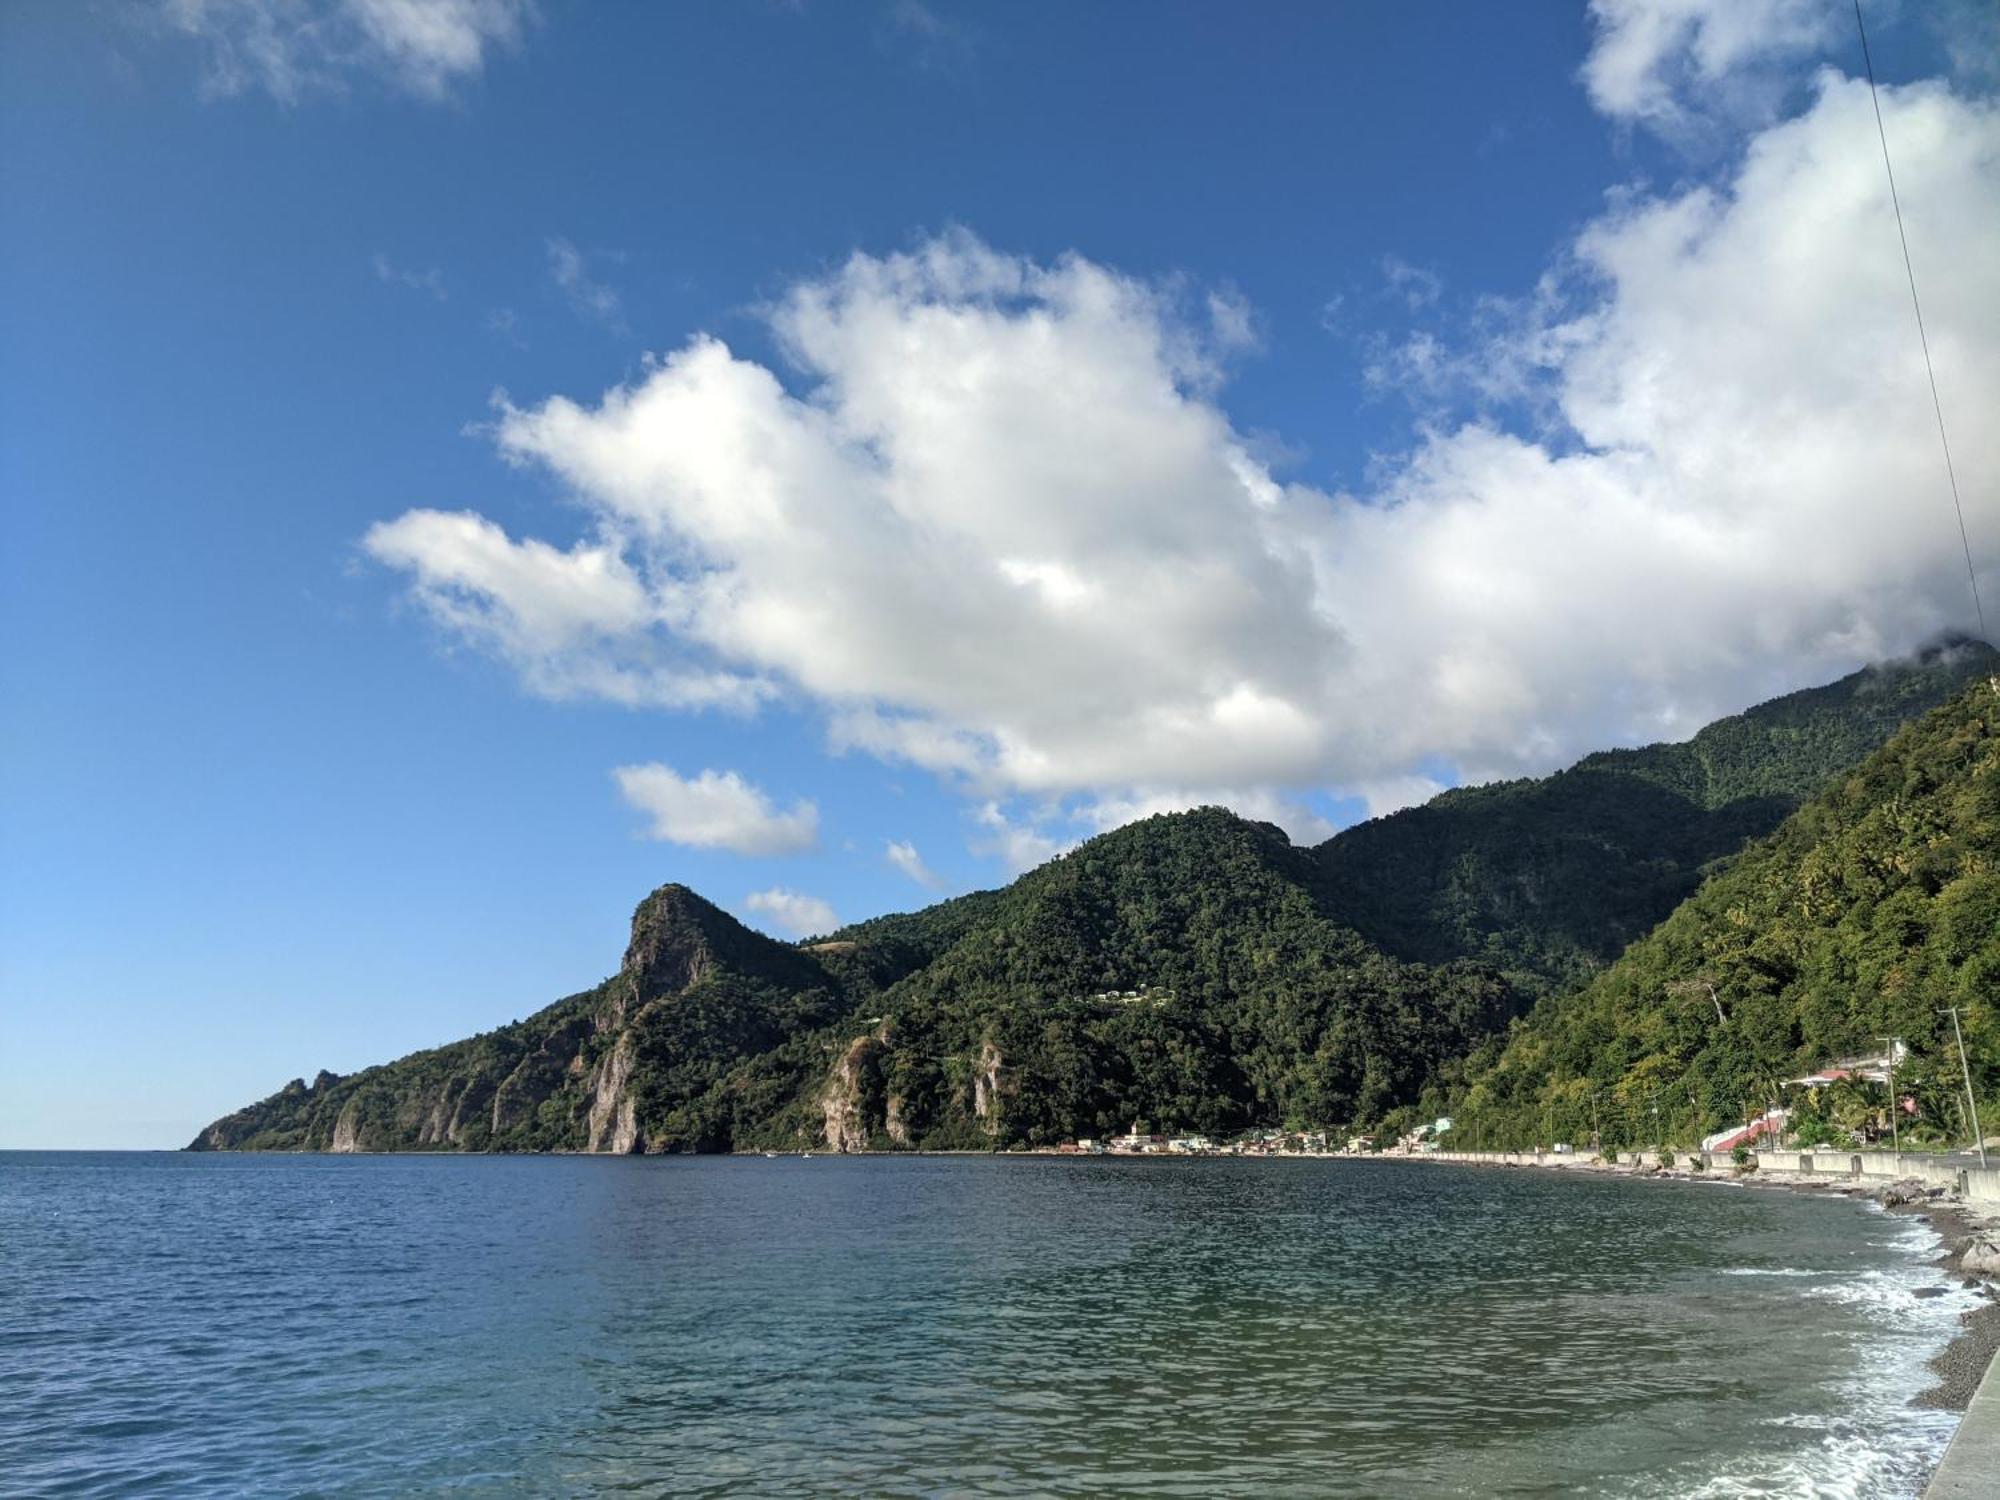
{"type": "Point", "coordinates": [1965, 1219]}
{"type": "Point", "coordinates": [1964, 1371]}
{"type": "Point", "coordinates": [1960, 1226]}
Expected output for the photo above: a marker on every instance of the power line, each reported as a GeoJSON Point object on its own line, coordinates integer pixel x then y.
{"type": "Point", "coordinates": [1909, 269]}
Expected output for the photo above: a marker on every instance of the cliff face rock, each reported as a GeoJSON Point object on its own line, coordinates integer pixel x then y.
{"type": "Point", "coordinates": [696, 991]}
{"type": "Point", "coordinates": [614, 1124]}
{"type": "Point", "coordinates": [669, 951]}
{"type": "Point", "coordinates": [987, 1087]}
{"type": "Point", "coordinates": [848, 1100]}
{"type": "Point", "coordinates": [538, 1077]}
{"type": "Point", "coordinates": [346, 1130]}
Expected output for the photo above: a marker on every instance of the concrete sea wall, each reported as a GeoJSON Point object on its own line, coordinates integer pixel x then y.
{"type": "Point", "coordinates": [1974, 1184]}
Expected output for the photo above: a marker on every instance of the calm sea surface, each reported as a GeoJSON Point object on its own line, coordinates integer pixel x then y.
{"type": "Point", "coordinates": [947, 1326]}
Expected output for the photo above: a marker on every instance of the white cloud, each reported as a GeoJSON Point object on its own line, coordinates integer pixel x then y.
{"type": "Point", "coordinates": [590, 299]}
{"type": "Point", "coordinates": [1018, 846]}
{"type": "Point", "coordinates": [1388, 794]}
{"type": "Point", "coordinates": [1418, 286]}
{"type": "Point", "coordinates": [716, 810]}
{"type": "Point", "coordinates": [576, 623]}
{"type": "Point", "coordinates": [793, 913]}
{"type": "Point", "coordinates": [1664, 62]}
{"type": "Point", "coordinates": [294, 48]}
{"type": "Point", "coordinates": [999, 527]}
{"type": "Point", "coordinates": [903, 855]}
{"type": "Point", "coordinates": [1301, 824]}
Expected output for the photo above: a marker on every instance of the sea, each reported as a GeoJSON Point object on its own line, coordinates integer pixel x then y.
{"type": "Point", "coordinates": [949, 1326]}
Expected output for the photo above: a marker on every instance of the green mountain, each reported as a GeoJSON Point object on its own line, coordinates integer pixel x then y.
{"type": "Point", "coordinates": [1196, 971]}
{"type": "Point", "coordinates": [1550, 879]}
{"type": "Point", "coordinates": [1175, 970]}
{"type": "Point", "coordinates": [655, 1055]}
{"type": "Point", "coordinates": [1871, 909]}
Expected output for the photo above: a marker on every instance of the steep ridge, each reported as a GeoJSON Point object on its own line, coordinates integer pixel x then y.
{"type": "Point", "coordinates": [645, 1051]}
{"type": "Point", "coordinates": [1550, 879]}
{"type": "Point", "coordinates": [1195, 971]}
{"type": "Point", "coordinates": [1873, 907]}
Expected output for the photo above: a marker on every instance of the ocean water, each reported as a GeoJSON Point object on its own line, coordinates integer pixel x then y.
{"type": "Point", "coordinates": [297, 1325]}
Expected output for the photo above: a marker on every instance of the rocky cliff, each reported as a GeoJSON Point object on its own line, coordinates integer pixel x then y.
{"type": "Point", "coordinates": [570, 1077]}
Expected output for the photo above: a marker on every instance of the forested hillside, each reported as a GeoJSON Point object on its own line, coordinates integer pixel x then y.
{"type": "Point", "coordinates": [1177, 969]}
{"type": "Point", "coordinates": [1195, 971]}
{"type": "Point", "coordinates": [1870, 910]}
{"type": "Point", "coordinates": [1550, 879]}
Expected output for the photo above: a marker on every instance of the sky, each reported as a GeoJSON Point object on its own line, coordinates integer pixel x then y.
{"type": "Point", "coordinates": [464, 463]}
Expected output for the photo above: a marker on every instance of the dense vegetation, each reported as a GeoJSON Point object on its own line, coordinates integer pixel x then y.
{"type": "Point", "coordinates": [1178, 971]}
{"type": "Point", "coordinates": [1870, 910]}
{"type": "Point", "coordinates": [1550, 880]}
{"type": "Point", "coordinates": [1194, 971]}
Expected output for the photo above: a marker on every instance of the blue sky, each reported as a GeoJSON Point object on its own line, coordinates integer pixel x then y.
{"type": "Point", "coordinates": [1295, 406]}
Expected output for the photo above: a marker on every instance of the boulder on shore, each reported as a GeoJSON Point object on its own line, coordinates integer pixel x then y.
{"type": "Point", "coordinates": [1980, 1257]}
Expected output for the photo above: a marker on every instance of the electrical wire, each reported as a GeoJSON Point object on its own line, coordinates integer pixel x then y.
{"type": "Point", "coordinates": [1909, 269]}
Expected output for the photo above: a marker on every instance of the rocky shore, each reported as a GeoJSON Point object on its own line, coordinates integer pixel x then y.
{"type": "Point", "coordinates": [1971, 1251]}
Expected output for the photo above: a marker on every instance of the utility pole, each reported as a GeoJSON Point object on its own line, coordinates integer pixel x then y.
{"type": "Point", "coordinates": [1964, 1067]}
{"type": "Point", "coordinates": [1895, 1107]}
{"type": "Point", "coordinates": [1596, 1133]}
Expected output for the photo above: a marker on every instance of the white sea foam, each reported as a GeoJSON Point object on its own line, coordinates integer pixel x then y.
{"type": "Point", "coordinates": [1874, 1444]}
{"type": "Point", "coordinates": [1849, 1464]}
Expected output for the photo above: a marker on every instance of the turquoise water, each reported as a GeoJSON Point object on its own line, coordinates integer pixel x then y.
{"type": "Point", "coordinates": [947, 1326]}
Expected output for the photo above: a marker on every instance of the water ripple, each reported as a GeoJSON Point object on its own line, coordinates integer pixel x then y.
{"type": "Point", "coordinates": [213, 1325]}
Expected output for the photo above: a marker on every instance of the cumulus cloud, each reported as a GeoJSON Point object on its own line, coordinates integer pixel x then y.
{"type": "Point", "coordinates": [575, 623]}
{"type": "Point", "coordinates": [1664, 63]}
{"type": "Point", "coordinates": [903, 855]}
{"type": "Point", "coordinates": [716, 810]}
{"type": "Point", "coordinates": [791, 912]}
{"type": "Point", "coordinates": [294, 48]}
{"type": "Point", "coordinates": [998, 524]}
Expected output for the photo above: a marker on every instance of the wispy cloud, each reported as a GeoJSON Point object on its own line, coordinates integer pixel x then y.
{"type": "Point", "coordinates": [1681, 66]}
{"type": "Point", "coordinates": [902, 854]}
{"type": "Point", "coordinates": [430, 280]}
{"type": "Point", "coordinates": [569, 267]}
{"type": "Point", "coordinates": [931, 40]}
{"type": "Point", "coordinates": [504, 322]}
{"type": "Point", "coordinates": [293, 49]}
{"type": "Point", "coordinates": [1418, 286]}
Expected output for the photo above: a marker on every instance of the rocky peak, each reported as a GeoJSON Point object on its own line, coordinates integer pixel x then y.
{"type": "Point", "coordinates": [678, 939]}
{"type": "Point", "coordinates": [672, 942]}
